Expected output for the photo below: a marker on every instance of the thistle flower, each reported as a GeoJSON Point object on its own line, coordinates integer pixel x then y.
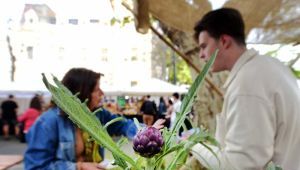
{"type": "Point", "coordinates": [148, 142]}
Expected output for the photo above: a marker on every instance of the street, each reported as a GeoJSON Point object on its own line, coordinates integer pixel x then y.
{"type": "Point", "coordinates": [12, 147]}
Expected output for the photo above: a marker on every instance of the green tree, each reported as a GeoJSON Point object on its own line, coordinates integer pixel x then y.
{"type": "Point", "coordinates": [182, 71]}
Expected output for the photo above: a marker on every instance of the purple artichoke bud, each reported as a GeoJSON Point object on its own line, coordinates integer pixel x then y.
{"type": "Point", "coordinates": [148, 142]}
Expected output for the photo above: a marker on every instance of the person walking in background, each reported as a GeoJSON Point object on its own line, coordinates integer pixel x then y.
{"type": "Point", "coordinates": [176, 108]}
{"type": "Point", "coordinates": [169, 113]}
{"type": "Point", "coordinates": [162, 107]}
{"type": "Point", "coordinates": [148, 110]}
{"type": "Point", "coordinates": [9, 116]}
{"type": "Point", "coordinates": [55, 142]}
{"type": "Point", "coordinates": [30, 115]}
{"type": "Point", "coordinates": [260, 119]}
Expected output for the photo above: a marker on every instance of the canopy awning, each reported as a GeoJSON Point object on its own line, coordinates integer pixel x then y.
{"type": "Point", "coordinates": [154, 87]}
{"type": "Point", "coordinates": [267, 22]}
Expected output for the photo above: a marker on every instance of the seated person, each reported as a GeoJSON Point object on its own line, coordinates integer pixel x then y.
{"type": "Point", "coordinates": [55, 142]}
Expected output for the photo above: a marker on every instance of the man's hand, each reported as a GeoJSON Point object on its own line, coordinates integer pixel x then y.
{"type": "Point", "coordinates": [159, 124]}
{"type": "Point", "coordinates": [89, 166]}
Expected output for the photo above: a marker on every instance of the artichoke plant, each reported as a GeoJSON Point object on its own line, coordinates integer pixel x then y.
{"type": "Point", "coordinates": [148, 142]}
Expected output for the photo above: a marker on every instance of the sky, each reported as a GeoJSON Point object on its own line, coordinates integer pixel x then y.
{"type": "Point", "coordinates": [217, 3]}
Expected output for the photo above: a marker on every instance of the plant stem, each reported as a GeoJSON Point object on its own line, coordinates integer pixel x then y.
{"type": "Point", "coordinates": [150, 164]}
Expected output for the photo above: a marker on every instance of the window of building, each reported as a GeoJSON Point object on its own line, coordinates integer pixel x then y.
{"type": "Point", "coordinates": [73, 21]}
{"type": "Point", "coordinates": [134, 58]}
{"type": "Point", "coordinates": [30, 52]}
{"type": "Point", "coordinates": [133, 83]}
{"type": "Point", "coordinates": [94, 21]}
{"type": "Point", "coordinates": [104, 54]}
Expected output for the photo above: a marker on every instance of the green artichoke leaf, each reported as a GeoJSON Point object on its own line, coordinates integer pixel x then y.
{"type": "Point", "coordinates": [79, 113]}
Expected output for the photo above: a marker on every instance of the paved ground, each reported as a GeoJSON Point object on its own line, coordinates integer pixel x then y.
{"type": "Point", "coordinates": [13, 147]}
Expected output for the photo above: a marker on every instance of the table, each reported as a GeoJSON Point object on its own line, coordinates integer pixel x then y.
{"type": "Point", "coordinates": [7, 161]}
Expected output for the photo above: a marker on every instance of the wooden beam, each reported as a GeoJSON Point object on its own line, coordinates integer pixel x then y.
{"type": "Point", "coordinates": [186, 59]}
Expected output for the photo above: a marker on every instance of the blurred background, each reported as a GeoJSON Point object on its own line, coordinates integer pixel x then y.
{"type": "Point", "coordinates": [141, 46]}
{"type": "Point", "coordinates": [52, 36]}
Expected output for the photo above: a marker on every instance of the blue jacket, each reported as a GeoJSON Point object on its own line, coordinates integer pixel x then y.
{"type": "Point", "coordinates": [51, 140]}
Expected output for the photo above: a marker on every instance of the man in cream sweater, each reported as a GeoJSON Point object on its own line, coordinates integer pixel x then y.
{"type": "Point", "coordinates": [260, 119]}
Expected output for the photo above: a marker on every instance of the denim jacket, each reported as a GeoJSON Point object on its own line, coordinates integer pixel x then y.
{"type": "Point", "coordinates": [51, 140]}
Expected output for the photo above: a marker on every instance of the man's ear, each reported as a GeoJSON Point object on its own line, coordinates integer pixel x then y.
{"type": "Point", "coordinates": [226, 41]}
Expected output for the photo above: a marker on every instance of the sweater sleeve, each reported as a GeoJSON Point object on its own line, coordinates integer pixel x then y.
{"type": "Point", "coordinates": [250, 131]}
{"type": "Point", "coordinates": [23, 117]}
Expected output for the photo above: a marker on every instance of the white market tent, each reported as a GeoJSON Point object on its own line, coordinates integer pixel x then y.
{"type": "Point", "coordinates": [24, 91]}
{"type": "Point", "coordinates": [154, 87]}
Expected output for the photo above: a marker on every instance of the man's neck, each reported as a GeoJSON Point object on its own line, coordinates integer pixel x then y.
{"type": "Point", "coordinates": [234, 54]}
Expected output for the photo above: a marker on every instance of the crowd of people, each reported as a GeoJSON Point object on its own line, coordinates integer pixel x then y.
{"type": "Point", "coordinates": [144, 108]}
{"type": "Point", "coordinates": [147, 109]}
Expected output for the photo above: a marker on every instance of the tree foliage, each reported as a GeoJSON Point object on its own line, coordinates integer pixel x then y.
{"type": "Point", "coordinates": [183, 74]}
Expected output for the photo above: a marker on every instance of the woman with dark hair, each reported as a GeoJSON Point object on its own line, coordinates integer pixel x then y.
{"type": "Point", "coordinates": [31, 114]}
{"type": "Point", "coordinates": [54, 142]}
